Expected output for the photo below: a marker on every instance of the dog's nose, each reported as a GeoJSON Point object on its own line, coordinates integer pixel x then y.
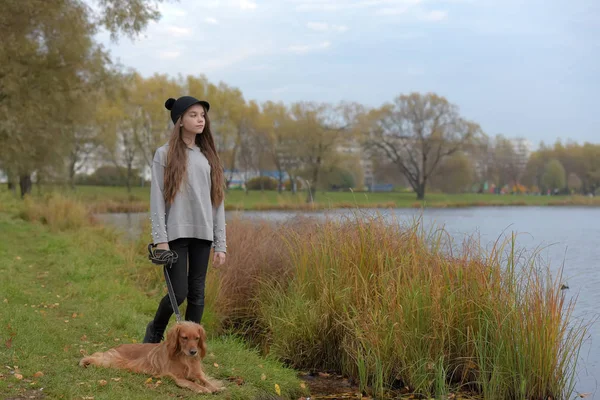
{"type": "Point", "coordinates": [193, 352]}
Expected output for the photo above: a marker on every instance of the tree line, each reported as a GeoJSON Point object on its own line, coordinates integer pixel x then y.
{"type": "Point", "coordinates": [65, 106]}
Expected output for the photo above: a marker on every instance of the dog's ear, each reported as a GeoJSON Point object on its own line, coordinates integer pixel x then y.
{"type": "Point", "coordinates": [173, 341]}
{"type": "Point", "coordinates": [202, 341]}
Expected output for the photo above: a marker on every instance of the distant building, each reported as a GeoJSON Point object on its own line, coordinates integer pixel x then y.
{"type": "Point", "coordinates": [354, 148]}
{"type": "Point", "coordinates": [523, 149]}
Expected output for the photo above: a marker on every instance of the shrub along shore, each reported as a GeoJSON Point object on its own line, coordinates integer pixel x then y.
{"type": "Point", "coordinates": [385, 305]}
{"type": "Point", "coordinates": [101, 199]}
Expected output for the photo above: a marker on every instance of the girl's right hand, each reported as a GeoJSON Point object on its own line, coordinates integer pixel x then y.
{"type": "Point", "coordinates": [163, 246]}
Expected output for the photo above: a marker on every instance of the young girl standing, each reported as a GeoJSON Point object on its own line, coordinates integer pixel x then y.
{"type": "Point", "coordinates": [187, 209]}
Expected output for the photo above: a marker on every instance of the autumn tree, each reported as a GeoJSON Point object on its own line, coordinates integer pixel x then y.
{"type": "Point", "coordinates": [417, 132]}
{"type": "Point", "coordinates": [554, 177]}
{"type": "Point", "coordinates": [455, 175]}
{"type": "Point", "coordinates": [282, 144]}
{"type": "Point", "coordinates": [120, 124]}
{"type": "Point", "coordinates": [320, 129]}
{"type": "Point", "coordinates": [47, 59]}
{"type": "Point", "coordinates": [150, 121]}
{"type": "Point", "coordinates": [574, 182]}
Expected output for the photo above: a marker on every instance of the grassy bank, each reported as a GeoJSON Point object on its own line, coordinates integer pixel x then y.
{"type": "Point", "coordinates": [117, 199]}
{"type": "Point", "coordinates": [69, 288]}
{"type": "Point", "coordinates": [389, 308]}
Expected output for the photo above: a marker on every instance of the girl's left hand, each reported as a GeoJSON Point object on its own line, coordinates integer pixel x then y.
{"type": "Point", "coordinates": [219, 258]}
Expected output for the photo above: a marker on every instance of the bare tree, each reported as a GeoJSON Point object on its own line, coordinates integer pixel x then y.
{"type": "Point", "coordinates": [416, 133]}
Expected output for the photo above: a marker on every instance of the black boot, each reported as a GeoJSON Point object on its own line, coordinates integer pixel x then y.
{"type": "Point", "coordinates": [153, 335]}
{"type": "Point", "coordinates": [194, 312]}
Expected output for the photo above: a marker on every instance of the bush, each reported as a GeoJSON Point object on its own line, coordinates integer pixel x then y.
{"type": "Point", "coordinates": [262, 183]}
{"type": "Point", "coordinates": [56, 211]}
{"type": "Point", "coordinates": [109, 175]}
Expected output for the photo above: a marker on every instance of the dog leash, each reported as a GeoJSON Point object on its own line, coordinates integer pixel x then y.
{"type": "Point", "coordinates": [166, 258]}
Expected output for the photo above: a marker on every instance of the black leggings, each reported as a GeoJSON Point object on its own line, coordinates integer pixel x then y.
{"type": "Point", "coordinates": [186, 284]}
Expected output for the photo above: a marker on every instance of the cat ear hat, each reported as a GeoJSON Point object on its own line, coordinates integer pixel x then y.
{"type": "Point", "coordinates": [178, 107]}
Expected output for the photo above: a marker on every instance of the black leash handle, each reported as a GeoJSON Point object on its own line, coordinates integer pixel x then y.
{"type": "Point", "coordinates": [166, 258]}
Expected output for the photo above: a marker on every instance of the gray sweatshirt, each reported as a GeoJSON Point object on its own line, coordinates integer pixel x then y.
{"type": "Point", "coordinates": [191, 214]}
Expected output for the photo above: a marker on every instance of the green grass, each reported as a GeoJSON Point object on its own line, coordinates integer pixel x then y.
{"type": "Point", "coordinates": [114, 199]}
{"type": "Point", "coordinates": [67, 291]}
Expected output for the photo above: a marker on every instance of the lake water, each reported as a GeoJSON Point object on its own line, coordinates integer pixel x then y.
{"type": "Point", "coordinates": [569, 235]}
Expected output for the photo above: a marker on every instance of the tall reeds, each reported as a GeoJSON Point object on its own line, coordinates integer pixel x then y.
{"type": "Point", "coordinates": [397, 306]}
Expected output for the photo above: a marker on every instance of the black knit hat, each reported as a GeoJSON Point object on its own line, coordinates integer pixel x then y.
{"type": "Point", "coordinates": [178, 107]}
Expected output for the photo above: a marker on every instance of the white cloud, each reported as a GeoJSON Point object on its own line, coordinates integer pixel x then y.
{"type": "Point", "coordinates": [169, 11]}
{"type": "Point", "coordinates": [236, 56]}
{"type": "Point", "coordinates": [317, 26]}
{"type": "Point", "coordinates": [307, 48]}
{"type": "Point", "coordinates": [324, 27]}
{"type": "Point", "coordinates": [336, 5]}
{"type": "Point", "coordinates": [169, 55]}
{"type": "Point", "coordinates": [210, 20]}
{"type": "Point", "coordinates": [435, 15]}
{"type": "Point", "coordinates": [247, 5]}
{"type": "Point", "coordinates": [178, 31]}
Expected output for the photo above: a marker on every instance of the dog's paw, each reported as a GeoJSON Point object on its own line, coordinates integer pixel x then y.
{"type": "Point", "coordinates": [84, 362]}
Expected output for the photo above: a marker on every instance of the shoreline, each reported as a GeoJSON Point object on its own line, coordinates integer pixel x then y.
{"type": "Point", "coordinates": [117, 207]}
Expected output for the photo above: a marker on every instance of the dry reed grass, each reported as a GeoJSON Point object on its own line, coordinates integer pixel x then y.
{"type": "Point", "coordinates": [393, 306]}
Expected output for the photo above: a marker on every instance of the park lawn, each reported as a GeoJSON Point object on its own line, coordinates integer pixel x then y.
{"type": "Point", "coordinates": [117, 199]}
{"type": "Point", "coordinates": [66, 293]}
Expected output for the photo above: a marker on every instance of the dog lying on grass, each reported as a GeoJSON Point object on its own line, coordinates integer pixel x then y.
{"type": "Point", "coordinates": [178, 357]}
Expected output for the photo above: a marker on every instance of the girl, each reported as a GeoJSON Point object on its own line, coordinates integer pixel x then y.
{"type": "Point", "coordinates": [187, 208]}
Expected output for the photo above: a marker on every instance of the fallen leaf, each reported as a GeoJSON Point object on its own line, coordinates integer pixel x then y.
{"type": "Point", "coordinates": [324, 375]}
{"type": "Point", "coordinates": [263, 377]}
{"type": "Point", "coordinates": [88, 397]}
{"type": "Point", "coordinates": [102, 382]}
{"type": "Point", "coordinates": [17, 258]}
{"type": "Point", "coordinates": [277, 390]}
{"type": "Point", "coordinates": [74, 315]}
{"type": "Point", "coordinates": [66, 320]}
{"type": "Point", "coordinates": [19, 376]}
{"type": "Point", "coordinates": [260, 366]}
{"type": "Point", "coordinates": [115, 379]}
{"type": "Point", "coordinates": [216, 365]}
{"type": "Point", "coordinates": [8, 342]}
{"type": "Point", "coordinates": [38, 374]}
{"type": "Point", "coordinates": [6, 300]}
{"type": "Point", "coordinates": [149, 380]}
{"type": "Point", "coordinates": [303, 385]}
{"type": "Point", "coordinates": [584, 395]}
{"type": "Point", "coordinates": [238, 380]}
{"type": "Point", "coordinates": [84, 338]}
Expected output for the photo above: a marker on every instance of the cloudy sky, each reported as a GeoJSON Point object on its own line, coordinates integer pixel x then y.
{"type": "Point", "coordinates": [523, 68]}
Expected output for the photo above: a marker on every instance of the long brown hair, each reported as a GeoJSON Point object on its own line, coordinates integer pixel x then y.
{"type": "Point", "coordinates": [175, 171]}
